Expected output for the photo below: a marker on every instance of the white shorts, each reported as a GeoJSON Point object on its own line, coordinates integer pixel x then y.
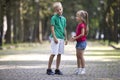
{"type": "Point", "coordinates": [57, 48]}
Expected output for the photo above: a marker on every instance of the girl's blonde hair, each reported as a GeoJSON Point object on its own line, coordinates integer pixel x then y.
{"type": "Point", "coordinates": [56, 5]}
{"type": "Point", "coordinates": [84, 16]}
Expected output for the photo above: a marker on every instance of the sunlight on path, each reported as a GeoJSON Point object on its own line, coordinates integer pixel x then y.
{"type": "Point", "coordinates": [102, 63]}
{"type": "Point", "coordinates": [43, 55]}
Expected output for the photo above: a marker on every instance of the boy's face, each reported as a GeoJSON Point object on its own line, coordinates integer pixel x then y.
{"type": "Point", "coordinates": [59, 10]}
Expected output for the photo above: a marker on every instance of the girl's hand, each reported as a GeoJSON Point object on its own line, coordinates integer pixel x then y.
{"type": "Point", "coordinates": [55, 40]}
{"type": "Point", "coordinates": [72, 39]}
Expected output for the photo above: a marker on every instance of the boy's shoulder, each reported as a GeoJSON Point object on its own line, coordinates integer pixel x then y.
{"type": "Point", "coordinates": [63, 17]}
{"type": "Point", "coordinates": [56, 16]}
{"type": "Point", "coordinates": [53, 17]}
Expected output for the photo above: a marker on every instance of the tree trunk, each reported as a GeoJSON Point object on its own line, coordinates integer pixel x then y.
{"type": "Point", "coordinates": [1, 23]}
{"type": "Point", "coordinates": [8, 14]}
{"type": "Point", "coordinates": [17, 30]}
{"type": "Point", "coordinates": [40, 31]}
{"type": "Point", "coordinates": [37, 33]}
{"type": "Point", "coordinates": [116, 22]}
{"type": "Point", "coordinates": [45, 28]}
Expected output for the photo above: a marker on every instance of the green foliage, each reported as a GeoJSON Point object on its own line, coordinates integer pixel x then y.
{"type": "Point", "coordinates": [103, 16]}
{"type": "Point", "coordinates": [46, 7]}
{"type": "Point", "coordinates": [70, 9]}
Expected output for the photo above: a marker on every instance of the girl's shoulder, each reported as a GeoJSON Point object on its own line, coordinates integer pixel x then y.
{"type": "Point", "coordinates": [82, 25]}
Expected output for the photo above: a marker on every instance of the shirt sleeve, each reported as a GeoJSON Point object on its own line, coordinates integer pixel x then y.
{"type": "Point", "coordinates": [52, 22]}
{"type": "Point", "coordinates": [65, 23]}
{"type": "Point", "coordinates": [83, 26]}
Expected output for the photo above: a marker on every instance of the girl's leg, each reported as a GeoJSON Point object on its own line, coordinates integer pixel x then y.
{"type": "Point", "coordinates": [80, 62]}
{"type": "Point", "coordinates": [58, 61]}
{"type": "Point", "coordinates": [81, 56]}
{"type": "Point", "coordinates": [50, 61]}
{"type": "Point", "coordinates": [78, 71]}
{"type": "Point", "coordinates": [78, 58]}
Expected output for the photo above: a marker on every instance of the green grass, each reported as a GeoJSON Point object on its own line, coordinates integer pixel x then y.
{"type": "Point", "coordinates": [22, 46]}
{"type": "Point", "coordinates": [104, 54]}
{"type": "Point", "coordinates": [106, 42]}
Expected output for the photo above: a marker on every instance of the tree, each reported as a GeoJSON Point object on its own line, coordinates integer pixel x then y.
{"type": "Point", "coordinates": [112, 17]}
{"type": "Point", "coordinates": [2, 5]}
{"type": "Point", "coordinates": [8, 38]}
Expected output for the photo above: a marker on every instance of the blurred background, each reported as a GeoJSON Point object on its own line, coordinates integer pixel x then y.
{"type": "Point", "coordinates": [29, 20]}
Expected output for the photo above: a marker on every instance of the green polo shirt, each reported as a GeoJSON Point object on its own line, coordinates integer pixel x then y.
{"type": "Point", "coordinates": [59, 23]}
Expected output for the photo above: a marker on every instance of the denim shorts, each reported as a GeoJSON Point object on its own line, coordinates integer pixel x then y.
{"type": "Point", "coordinates": [81, 45]}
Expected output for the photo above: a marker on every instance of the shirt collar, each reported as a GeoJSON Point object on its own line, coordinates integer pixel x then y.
{"type": "Point", "coordinates": [58, 15]}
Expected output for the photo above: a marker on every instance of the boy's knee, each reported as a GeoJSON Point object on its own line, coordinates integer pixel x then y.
{"type": "Point", "coordinates": [52, 55]}
{"type": "Point", "coordinates": [59, 55]}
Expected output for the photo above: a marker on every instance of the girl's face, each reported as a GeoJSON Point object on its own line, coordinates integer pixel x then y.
{"type": "Point", "coordinates": [78, 18]}
{"type": "Point", "coordinates": [59, 10]}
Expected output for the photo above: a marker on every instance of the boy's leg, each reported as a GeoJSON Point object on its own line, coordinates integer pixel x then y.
{"type": "Point", "coordinates": [60, 51]}
{"type": "Point", "coordinates": [58, 61]}
{"type": "Point", "coordinates": [57, 71]}
{"type": "Point", "coordinates": [49, 70]}
{"type": "Point", "coordinates": [50, 61]}
{"type": "Point", "coordinates": [54, 48]}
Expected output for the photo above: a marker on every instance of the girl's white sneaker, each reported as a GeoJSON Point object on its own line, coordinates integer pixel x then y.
{"type": "Point", "coordinates": [78, 71]}
{"type": "Point", "coordinates": [83, 71]}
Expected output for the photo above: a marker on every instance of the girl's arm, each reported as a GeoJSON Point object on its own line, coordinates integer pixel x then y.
{"type": "Point", "coordinates": [53, 34]}
{"type": "Point", "coordinates": [82, 34]}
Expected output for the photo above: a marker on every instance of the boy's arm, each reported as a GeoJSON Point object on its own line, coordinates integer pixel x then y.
{"type": "Point", "coordinates": [65, 36]}
{"type": "Point", "coordinates": [53, 34]}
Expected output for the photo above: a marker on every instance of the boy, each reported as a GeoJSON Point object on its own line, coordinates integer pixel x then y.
{"type": "Point", "coordinates": [58, 34]}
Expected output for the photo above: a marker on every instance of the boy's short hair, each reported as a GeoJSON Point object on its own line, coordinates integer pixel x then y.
{"type": "Point", "coordinates": [57, 4]}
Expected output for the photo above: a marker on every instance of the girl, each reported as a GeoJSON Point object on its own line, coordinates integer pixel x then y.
{"type": "Point", "coordinates": [81, 33]}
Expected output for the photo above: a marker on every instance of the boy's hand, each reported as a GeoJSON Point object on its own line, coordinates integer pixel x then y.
{"type": "Point", "coordinates": [66, 42]}
{"type": "Point", "coordinates": [55, 40]}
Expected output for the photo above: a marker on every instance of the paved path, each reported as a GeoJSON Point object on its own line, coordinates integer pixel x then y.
{"type": "Point", "coordinates": [31, 63]}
